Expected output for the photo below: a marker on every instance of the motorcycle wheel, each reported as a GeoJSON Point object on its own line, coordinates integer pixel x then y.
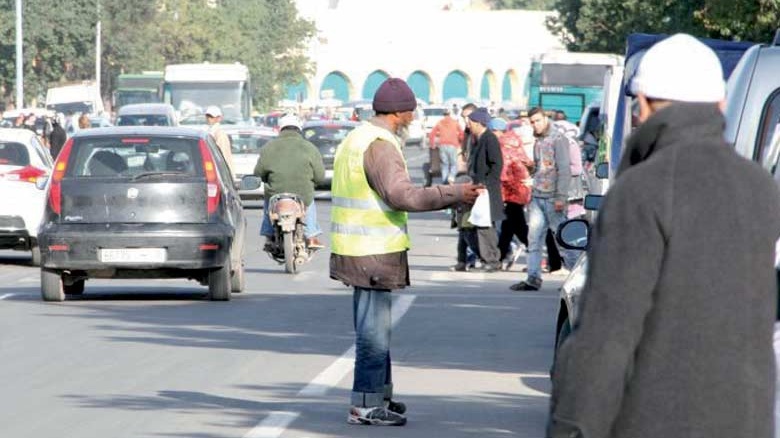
{"type": "Point", "coordinates": [289, 254]}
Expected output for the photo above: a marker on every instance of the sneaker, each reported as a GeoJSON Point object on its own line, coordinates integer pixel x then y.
{"type": "Point", "coordinates": [394, 406]}
{"type": "Point", "coordinates": [459, 267]}
{"type": "Point", "coordinates": [528, 285]}
{"type": "Point", "coordinates": [376, 416]}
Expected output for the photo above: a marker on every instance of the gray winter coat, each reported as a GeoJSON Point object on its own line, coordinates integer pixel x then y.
{"type": "Point", "coordinates": [675, 333]}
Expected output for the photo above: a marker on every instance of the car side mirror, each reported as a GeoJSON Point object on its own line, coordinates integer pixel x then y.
{"type": "Point", "coordinates": [592, 202]}
{"type": "Point", "coordinates": [574, 234]}
{"type": "Point", "coordinates": [40, 183]}
{"type": "Point", "coordinates": [251, 182]}
{"type": "Point", "coordinates": [602, 171]}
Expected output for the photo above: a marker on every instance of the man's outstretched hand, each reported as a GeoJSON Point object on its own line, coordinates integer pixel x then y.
{"type": "Point", "coordinates": [471, 191]}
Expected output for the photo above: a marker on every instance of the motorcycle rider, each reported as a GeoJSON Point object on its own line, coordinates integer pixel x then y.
{"type": "Point", "coordinates": [291, 164]}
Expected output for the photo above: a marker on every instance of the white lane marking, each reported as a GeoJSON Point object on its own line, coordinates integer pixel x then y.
{"type": "Point", "coordinates": [527, 390]}
{"type": "Point", "coordinates": [28, 280]}
{"type": "Point", "coordinates": [2, 297]}
{"type": "Point", "coordinates": [277, 422]}
{"type": "Point", "coordinates": [274, 425]}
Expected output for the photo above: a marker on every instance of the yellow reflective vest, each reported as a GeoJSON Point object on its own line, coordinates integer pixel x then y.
{"type": "Point", "coordinates": [361, 223]}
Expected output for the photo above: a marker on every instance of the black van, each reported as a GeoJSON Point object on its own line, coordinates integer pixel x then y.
{"type": "Point", "coordinates": [141, 202]}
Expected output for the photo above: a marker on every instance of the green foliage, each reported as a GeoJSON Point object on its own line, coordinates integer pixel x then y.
{"type": "Point", "coordinates": [59, 41]}
{"type": "Point", "coordinates": [603, 25]}
{"type": "Point", "coordinates": [532, 5]}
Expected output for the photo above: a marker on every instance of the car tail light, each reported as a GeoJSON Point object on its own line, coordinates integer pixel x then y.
{"type": "Point", "coordinates": [25, 174]}
{"type": "Point", "coordinates": [55, 187]}
{"type": "Point", "coordinates": [212, 182]}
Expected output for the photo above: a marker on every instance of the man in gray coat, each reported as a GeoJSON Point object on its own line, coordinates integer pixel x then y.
{"type": "Point", "coordinates": [675, 333]}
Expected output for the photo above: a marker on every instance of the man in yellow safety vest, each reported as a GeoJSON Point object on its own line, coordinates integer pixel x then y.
{"type": "Point", "coordinates": [372, 193]}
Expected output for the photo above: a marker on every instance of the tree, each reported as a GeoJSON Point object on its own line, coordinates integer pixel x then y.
{"type": "Point", "coordinates": [603, 25]}
{"type": "Point", "coordinates": [533, 5]}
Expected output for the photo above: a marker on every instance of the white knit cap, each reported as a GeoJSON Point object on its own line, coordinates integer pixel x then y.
{"type": "Point", "coordinates": [680, 68]}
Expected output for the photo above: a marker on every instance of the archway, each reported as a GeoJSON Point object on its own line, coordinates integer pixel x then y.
{"type": "Point", "coordinates": [456, 85]}
{"type": "Point", "coordinates": [336, 85]}
{"type": "Point", "coordinates": [488, 85]}
{"type": "Point", "coordinates": [373, 81]}
{"type": "Point", "coordinates": [298, 92]}
{"type": "Point", "coordinates": [509, 86]}
{"type": "Point", "coordinates": [420, 83]}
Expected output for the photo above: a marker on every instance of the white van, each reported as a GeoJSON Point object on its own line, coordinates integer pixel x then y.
{"type": "Point", "coordinates": [83, 98]}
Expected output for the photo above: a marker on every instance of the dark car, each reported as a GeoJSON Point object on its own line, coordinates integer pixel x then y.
{"type": "Point", "coordinates": [141, 202]}
{"type": "Point", "coordinates": [327, 135]}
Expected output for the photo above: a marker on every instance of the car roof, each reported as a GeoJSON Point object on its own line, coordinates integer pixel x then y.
{"type": "Point", "coordinates": [16, 134]}
{"type": "Point", "coordinates": [167, 131]}
{"type": "Point", "coordinates": [258, 130]}
{"type": "Point", "coordinates": [315, 123]}
{"type": "Point", "coordinates": [145, 108]}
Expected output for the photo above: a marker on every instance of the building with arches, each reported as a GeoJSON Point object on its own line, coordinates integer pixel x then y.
{"type": "Point", "coordinates": [443, 52]}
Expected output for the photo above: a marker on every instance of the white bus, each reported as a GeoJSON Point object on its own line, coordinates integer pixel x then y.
{"type": "Point", "coordinates": [191, 88]}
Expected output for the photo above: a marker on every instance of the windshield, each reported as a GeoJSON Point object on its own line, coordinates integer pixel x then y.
{"type": "Point", "coordinates": [129, 97]}
{"type": "Point", "coordinates": [433, 111]}
{"type": "Point", "coordinates": [577, 75]}
{"type": "Point", "coordinates": [71, 107]}
{"type": "Point", "coordinates": [143, 120]}
{"type": "Point", "coordinates": [120, 156]}
{"type": "Point", "coordinates": [247, 143]}
{"type": "Point", "coordinates": [192, 99]}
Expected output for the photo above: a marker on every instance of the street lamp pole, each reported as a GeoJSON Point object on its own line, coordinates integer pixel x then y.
{"type": "Point", "coordinates": [97, 52]}
{"type": "Point", "coordinates": [19, 60]}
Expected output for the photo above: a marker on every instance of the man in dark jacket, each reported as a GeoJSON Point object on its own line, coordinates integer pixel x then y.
{"type": "Point", "coordinates": [57, 138]}
{"type": "Point", "coordinates": [675, 333]}
{"type": "Point", "coordinates": [372, 192]}
{"type": "Point", "coordinates": [291, 164]}
{"type": "Point", "coordinates": [484, 167]}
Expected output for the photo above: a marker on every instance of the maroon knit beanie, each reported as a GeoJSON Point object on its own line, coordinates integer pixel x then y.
{"type": "Point", "coordinates": [394, 96]}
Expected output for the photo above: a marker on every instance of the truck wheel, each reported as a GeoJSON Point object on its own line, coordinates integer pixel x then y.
{"type": "Point", "coordinates": [237, 280]}
{"type": "Point", "coordinates": [36, 256]}
{"type": "Point", "coordinates": [51, 286]}
{"type": "Point", "coordinates": [219, 283]}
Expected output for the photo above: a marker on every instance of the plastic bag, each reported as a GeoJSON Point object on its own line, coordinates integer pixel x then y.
{"type": "Point", "coordinates": [480, 212]}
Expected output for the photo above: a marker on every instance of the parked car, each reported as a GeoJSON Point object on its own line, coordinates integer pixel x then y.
{"type": "Point", "coordinates": [752, 125]}
{"type": "Point", "coordinates": [24, 164]}
{"type": "Point", "coordinates": [141, 202]}
{"type": "Point", "coordinates": [327, 135]}
{"type": "Point", "coordinates": [246, 143]}
{"type": "Point", "coordinates": [99, 121]}
{"type": "Point", "coordinates": [147, 114]}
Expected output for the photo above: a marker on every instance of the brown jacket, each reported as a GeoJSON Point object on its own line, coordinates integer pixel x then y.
{"type": "Point", "coordinates": [387, 175]}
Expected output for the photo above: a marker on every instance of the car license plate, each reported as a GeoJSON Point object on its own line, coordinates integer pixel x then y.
{"type": "Point", "coordinates": [133, 255]}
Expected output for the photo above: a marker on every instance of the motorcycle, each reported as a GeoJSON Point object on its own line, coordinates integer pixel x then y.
{"type": "Point", "coordinates": [287, 213]}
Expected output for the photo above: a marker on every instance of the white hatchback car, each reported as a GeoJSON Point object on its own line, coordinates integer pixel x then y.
{"type": "Point", "coordinates": [24, 166]}
{"type": "Point", "coordinates": [246, 143]}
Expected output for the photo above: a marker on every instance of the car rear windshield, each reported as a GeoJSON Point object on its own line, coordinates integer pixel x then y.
{"type": "Point", "coordinates": [143, 120]}
{"type": "Point", "coordinates": [13, 154]}
{"type": "Point", "coordinates": [247, 143]}
{"type": "Point", "coordinates": [117, 156]}
{"type": "Point", "coordinates": [326, 134]}
{"type": "Point", "coordinates": [433, 111]}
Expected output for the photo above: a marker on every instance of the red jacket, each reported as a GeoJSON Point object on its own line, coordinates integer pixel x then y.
{"type": "Point", "coordinates": [449, 133]}
{"type": "Point", "coordinates": [515, 170]}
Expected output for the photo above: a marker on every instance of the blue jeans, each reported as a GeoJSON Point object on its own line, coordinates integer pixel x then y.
{"type": "Point", "coordinates": [449, 163]}
{"type": "Point", "coordinates": [310, 226]}
{"type": "Point", "coordinates": [373, 382]}
{"type": "Point", "coordinates": [542, 215]}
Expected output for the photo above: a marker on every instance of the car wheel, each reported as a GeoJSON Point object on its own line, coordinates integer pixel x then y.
{"type": "Point", "coordinates": [237, 280]}
{"type": "Point", "coordinates": [219, 283]}
{"type": "Point", "coordinates": [77, 288]}
{"type": "Point", "coordinates": [36, 256]}
{"type": "Point", "coordinates": [52, 288]}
